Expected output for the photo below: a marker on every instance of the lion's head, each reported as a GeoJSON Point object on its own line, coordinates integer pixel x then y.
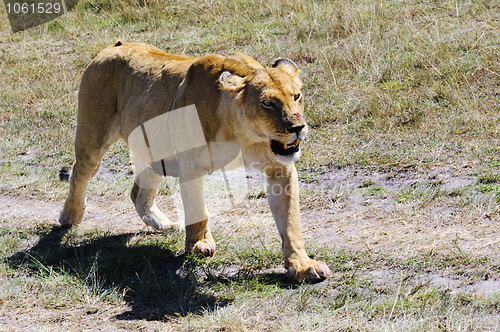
{"type": "Point", "coordinates": [270, 107]}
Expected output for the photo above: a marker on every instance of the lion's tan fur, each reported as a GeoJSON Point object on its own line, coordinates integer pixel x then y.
{"type": "Point", "coordinates": [128, 84]}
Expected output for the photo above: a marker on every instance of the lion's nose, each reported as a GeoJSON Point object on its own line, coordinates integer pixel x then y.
{"type": "Point", "coordinates": [295, 129]}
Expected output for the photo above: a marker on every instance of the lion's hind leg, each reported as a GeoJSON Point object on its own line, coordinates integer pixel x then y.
{"type": "Point", "coordinates": [143, 195]}
{"type": "Point", "coordinates": [87, 164]}
{"type": "Point", "coordinates": [97, 128]}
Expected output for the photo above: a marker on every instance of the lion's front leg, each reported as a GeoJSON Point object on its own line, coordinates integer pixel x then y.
{"type": "Point", "coordinates": [283, 197]}
{"type": "Point", "coordinates": [199, 239]}
{"type": "Point", "coordinates": [198, 235]}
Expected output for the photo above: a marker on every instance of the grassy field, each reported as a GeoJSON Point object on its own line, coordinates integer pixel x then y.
{"type": "Point", "coordinates": [400, 175]}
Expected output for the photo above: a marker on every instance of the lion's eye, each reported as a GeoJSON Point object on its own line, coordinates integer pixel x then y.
{"type": "Point", "coordinates": [296, 97]}
{"type": "Point", "coordinates": [266, 103]}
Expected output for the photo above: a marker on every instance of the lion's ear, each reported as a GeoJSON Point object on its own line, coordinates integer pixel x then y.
{"type": "Point", "coordinates": [231, 83]}
{"type": "Point", "coordinates": [289, 67]}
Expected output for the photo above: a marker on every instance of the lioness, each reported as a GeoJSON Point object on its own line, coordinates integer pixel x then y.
{"type": "Point", "coordinates": [130, 86]}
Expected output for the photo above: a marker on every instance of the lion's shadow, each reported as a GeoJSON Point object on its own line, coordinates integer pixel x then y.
{"type": "Point", "coordinates": [146, 273]}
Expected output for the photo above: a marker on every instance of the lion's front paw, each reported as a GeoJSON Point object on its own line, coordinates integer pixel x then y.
{"type": "Point", "coordinates": [205, 247]}
{"type": "Point", "coordinates": [71, 216]}
{"type": "Point", "coordinates": [307, 270]}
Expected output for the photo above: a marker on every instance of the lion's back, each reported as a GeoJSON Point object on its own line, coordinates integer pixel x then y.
{"type": "Point", "coordinates": [128, 76]}
{"type": "Point", "coordinates": [136, 59]}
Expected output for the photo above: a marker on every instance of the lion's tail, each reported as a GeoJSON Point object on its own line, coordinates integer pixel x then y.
{"type": "Point", "coordinates": [65, 174]}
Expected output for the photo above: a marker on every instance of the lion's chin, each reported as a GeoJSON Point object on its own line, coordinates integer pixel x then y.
{"type": "Point", "coordinates": [286, 153]}
{"type": "Point", "coordinates": [291, 158]}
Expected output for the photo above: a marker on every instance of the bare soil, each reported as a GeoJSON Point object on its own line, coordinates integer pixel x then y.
{"type": "Point", "coordinates": [348, 219]}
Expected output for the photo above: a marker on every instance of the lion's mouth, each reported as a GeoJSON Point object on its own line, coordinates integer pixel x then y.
{"type": "Point", "coordinates": [285, 149]}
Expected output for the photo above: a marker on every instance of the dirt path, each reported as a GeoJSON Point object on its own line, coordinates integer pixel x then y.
{"type": "Point", "coordinates": [343, 208]}
{"type": "Point", "coordinates": [22, 213]}
{"type": "Point", "coordinates": [365, 211]}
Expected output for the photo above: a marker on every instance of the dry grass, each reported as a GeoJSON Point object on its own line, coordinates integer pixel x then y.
{"type": "Point", "coordinates": [400, 175]}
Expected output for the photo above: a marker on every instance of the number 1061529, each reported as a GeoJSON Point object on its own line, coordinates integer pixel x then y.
{"type": "Point", "coordinates": [33, 8]}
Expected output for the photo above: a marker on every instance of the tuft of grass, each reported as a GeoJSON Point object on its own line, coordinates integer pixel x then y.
{"type": "Point", "coordinates": [367, 183]}
{"type": "Point", "coordinates": [373, 190]}
{"type": "Point", "coordinates": [488, 179]}
{"type": "Point", "coordinates": [369, 187]}
{"type": "Point", "coordinates": [316, 198]}
{"type": "Point", "coordinates": [308, 177]}
{"type": "Point", "coordinates": [426, 192]}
